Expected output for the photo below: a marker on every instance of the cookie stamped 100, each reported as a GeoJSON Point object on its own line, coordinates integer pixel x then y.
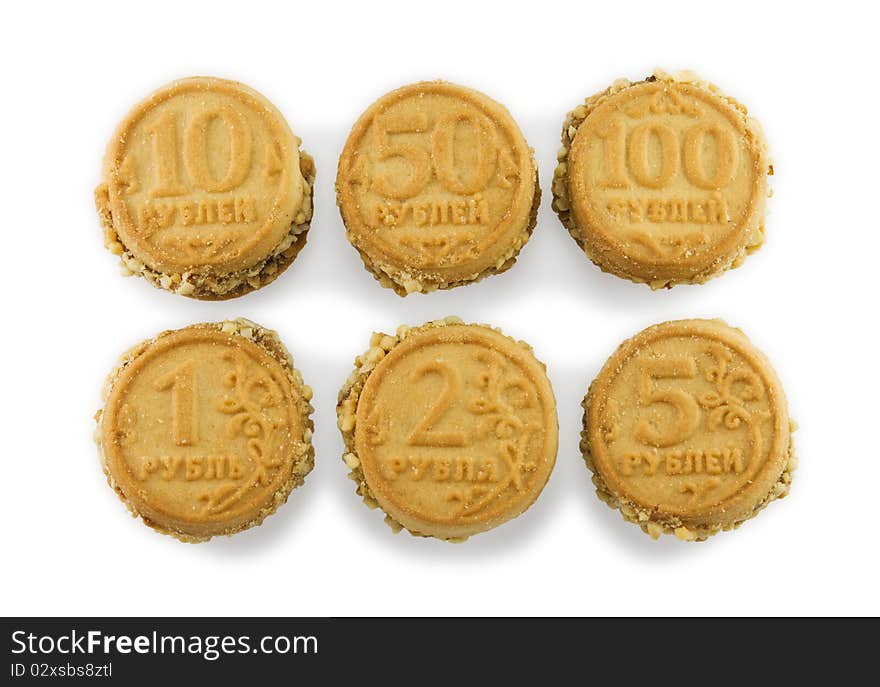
{"type": "Point", "coordinates": [662, 181]}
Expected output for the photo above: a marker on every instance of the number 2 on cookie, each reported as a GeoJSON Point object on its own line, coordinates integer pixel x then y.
{"type": "Point", "coordinates": [423, 433]}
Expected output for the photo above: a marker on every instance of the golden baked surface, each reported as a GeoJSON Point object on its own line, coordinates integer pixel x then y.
{"type": "Point", "coordinates": [663, 181]}
{"type": "Point", "coordinates": [203, 177]}
{"type": "Point", "coordinates": [453, 430]}
{"type": "Point", "coordinates": [436, 186]}
{"type": "Point", "coordinates": [687, 429]}
{"type": "Point", "coordinates": [206, 429]}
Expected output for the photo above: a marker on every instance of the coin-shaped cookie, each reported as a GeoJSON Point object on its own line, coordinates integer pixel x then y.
{"type": "Point", "coordinates": [205, 191]}
{"type": "Point", "coordinates": [450, 428]}
{"type": "Point", "coordinates": [206, 430]}
{"type": "Point", "coordinates": [437, 187]}
{"type": "Point", "coordinates": [663, 181]}
{"type": "Point", "coordinates": [686, 430]}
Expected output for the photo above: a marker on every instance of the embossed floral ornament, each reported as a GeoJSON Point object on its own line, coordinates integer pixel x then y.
{"type": "Point", "coordinates": [252, 396]}
{"type": "Point", "coordinates": [725, 403]}
{"type": "Point", "coordinates": [499, 420]}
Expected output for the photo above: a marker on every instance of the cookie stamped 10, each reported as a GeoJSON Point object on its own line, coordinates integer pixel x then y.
{"type": "Point", "coordinates": [205, 191]}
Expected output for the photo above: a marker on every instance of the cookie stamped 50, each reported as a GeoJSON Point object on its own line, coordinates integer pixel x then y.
{"type": "Point", "coordinates": [436, 186]}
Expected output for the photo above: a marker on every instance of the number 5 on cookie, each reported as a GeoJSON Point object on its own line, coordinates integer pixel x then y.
{"type": "Point", "coordinates": [687, 412]}
{"type": "Point", "coordinates": [417, 157]}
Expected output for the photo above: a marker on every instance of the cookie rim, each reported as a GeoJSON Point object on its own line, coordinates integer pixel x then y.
{"type": "Point", "coordinates": [217, 287]}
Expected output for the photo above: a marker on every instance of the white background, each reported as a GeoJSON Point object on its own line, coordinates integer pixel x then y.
{"type": "Point", "coordinates": [808, 299]}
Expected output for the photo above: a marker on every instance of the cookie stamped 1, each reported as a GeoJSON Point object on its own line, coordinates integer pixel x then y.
{"type": "Point", "coordinates": [206, 429]}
